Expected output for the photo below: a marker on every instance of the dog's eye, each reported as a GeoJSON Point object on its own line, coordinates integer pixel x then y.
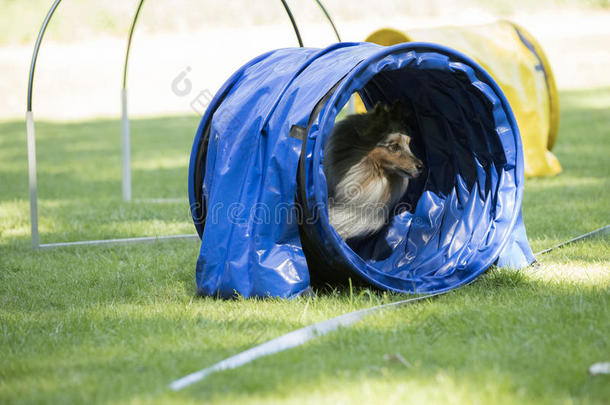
{"type": "Point", "coordinates": [394, 147]}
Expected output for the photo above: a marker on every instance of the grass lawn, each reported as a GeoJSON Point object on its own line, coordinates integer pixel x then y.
{"type": "Point", "coordinates": [118, 323]}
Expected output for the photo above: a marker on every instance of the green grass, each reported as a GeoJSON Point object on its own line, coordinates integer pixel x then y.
{"type": "Point", "coordinates": [116, 324]}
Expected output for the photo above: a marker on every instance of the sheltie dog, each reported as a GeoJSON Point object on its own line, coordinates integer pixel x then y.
{"type": "Point", "coordinates": [368, 164]}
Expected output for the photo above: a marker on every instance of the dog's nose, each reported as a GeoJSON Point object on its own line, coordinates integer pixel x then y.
{"type": "Point", "coordinates": [419, 166]}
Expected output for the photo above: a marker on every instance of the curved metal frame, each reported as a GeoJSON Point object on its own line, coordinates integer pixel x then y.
{"type": "Point", "coordinates": [125, 138]}
{"type": "Point", "coordinates": [131, 28]}
{"type": "Point", "coordinates": [125, 129]}
{"type": "Point", "coordinates": [330, 20]}
{"type": "Point", "coordinates": [293, 22]}
{"type": "Point", "coordinates": [31, 134]}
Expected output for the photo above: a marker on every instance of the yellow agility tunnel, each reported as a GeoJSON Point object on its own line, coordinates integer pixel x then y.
{"type": "Point", "coordinates": [516, 61]}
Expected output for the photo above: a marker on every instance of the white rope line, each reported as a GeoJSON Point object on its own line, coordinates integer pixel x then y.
{"type": "Point", "coordinates": [122, 240]}
{"type": "Point", "coordinates": [288, 341]}
{"type": "Point", "coordinates": [307, 333]}
{"type": "Point", "coordinates": [602, 230]}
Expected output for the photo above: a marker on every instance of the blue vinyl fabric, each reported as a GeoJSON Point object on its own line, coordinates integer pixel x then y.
{"type": "Point", "coordinates": [249, 170]}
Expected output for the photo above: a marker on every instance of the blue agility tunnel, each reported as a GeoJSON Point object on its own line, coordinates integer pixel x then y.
{"type": "Point", "coordinates": [258, 192]}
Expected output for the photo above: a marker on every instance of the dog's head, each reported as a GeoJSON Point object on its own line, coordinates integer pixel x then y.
{"type": "Point", "coordinates": [388, 134]}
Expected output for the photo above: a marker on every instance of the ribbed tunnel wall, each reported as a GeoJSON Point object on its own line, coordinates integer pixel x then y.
{"type": "Point", "coordinates": [258, 153]}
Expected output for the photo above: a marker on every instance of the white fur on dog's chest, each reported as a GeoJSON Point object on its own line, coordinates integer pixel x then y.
{"type": "Point", "coordinates": [363, 202]}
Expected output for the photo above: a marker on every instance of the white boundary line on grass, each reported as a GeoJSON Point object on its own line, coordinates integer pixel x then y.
{"type": "Point", "coordinates": [115, 241]}
{"type": "Point", "coordinates": [288, 341]}
{"type": "Point", "coordinates": [303, 335]}
{"type": "Point", "coordinates": [602, 230]}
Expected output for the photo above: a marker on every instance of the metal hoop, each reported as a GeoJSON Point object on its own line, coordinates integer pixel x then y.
{"type": "Point", "coordinates": [126, 175]}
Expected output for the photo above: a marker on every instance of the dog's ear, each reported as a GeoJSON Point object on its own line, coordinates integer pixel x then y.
{"type": "Point", "coordinates": [379, 109]}
{"type": "Point", "coordinates": [377, 123]}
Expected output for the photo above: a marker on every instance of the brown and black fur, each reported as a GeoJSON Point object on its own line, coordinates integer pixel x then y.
{"type": "Point", "coordinates": [368, 164]}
